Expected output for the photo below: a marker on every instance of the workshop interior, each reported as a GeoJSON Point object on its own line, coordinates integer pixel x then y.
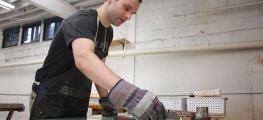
{"type": "Point", "coordinates": [203, 59]}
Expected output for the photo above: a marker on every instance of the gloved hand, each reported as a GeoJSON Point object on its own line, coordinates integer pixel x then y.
{"type": "Point", "coordinates": [143, 104]}
{"type": "Point", "coordinates": [108, 109]}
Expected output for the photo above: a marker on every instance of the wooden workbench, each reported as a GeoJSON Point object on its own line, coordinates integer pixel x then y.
{"type": "Point", "coordinates": [11, 107]}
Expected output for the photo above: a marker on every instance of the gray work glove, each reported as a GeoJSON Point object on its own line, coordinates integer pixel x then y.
{"type": "Point", "coordinates": [108, 109]}
{"type": "Point", "coordinates": [143, 104]}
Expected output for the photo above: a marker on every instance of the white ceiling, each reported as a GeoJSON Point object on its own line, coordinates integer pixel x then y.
{"type": "Point", "coordinates": [27, 11]}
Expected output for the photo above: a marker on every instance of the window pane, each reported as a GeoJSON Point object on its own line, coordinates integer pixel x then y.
{"type": "Point", "coordinates": [39, 27]}
{"type": "Point", "coordinates": [28, 35]}
{"type": "Point", "coordinates": [58, 24]}
{"type": "Point", "coordinates": [49, 33]}
{"type": "Point", "coordinates": [51, 30]}
{"type": "Point", "coordinates": [31, 34]}
{"type": "Point", "coordinates": [7, 40]}
{"type": "Point", "coordinates": [51, 26]}
{"type": "Point", "coordinates": [11, 37]}
{"type": "Point", "coordinates": [36, 33]}
{"type": "Point", "coordinates": [15, 39]}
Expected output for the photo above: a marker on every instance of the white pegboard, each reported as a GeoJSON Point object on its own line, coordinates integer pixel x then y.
{"type": "Point", "coordinates": [173, 103]}
{"type": "Point", "coordinates": [214, 104]}
{"type": "Point", "coordinates": [94, 101]}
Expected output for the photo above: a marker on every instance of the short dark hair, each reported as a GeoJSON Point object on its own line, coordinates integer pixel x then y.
{"type": "Point", "coordinates": [140, 1]}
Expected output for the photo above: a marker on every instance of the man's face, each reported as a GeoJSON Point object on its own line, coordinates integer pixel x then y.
{"type": "Point", "coordinates": [122, 10]}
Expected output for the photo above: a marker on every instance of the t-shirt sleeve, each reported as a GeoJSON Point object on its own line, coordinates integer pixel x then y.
{"type": "Point", "coordinates": [79, 26]}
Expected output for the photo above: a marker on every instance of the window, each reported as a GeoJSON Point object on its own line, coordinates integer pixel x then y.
{"type": "Point", "coordinates": [11, 37]}
{"type": "Point", "coordinates": [31, 33]}
{"type": "Point", "coordinates": [51, 26]}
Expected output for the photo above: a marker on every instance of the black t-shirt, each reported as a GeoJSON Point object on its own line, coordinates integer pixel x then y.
{"type": "Point", "coordinates": [61, 83]}
{"type": "Point", "coordinates": [82, 24]}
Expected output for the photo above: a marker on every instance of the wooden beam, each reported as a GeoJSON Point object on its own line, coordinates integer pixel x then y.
{"type": "Point", "coordinates": [119, 41]}
{"type": "Point", "coordinates": [57, 7]}
{"type": "Point", "coordinates": [11, 107]}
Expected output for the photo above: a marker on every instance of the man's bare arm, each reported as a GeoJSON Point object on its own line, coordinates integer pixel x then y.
{"type": "Point", "coordinates": [90, 65]}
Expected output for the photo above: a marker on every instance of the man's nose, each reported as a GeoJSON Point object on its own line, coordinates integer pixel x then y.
{"type": "Point", "coordinates": [128, 16]}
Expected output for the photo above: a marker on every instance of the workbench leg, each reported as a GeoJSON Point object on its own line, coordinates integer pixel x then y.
{"type": "Point", "coordinates": [9, 116]}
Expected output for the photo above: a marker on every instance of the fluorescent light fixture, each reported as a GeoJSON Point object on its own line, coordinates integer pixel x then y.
{"type": "Point", "coordinates": [6, 5]}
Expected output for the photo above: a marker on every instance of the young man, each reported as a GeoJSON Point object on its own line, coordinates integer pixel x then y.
{"type": "Point", "coordinates": [76, 59]}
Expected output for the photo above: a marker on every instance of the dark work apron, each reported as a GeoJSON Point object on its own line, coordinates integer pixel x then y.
{"type": "Point", "coordinates": [66, 95]}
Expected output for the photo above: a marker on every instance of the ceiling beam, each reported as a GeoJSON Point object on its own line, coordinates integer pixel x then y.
{"type": "Point", "coordinates": [19, 5]}
{"type": "Point", "coordinates": [15, 15]}
{"type": "Point", "coordinates": [35, 15]}
{"type": "Point", "coordinates": [57, 7]}
{"type": "Point", "coordinates": [85, 3]}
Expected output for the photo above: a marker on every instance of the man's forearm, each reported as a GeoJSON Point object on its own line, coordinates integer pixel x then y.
{"type": "Point", "coordinates": [97, 71]}
{"type": "Point", "coordinates": [101, 91]}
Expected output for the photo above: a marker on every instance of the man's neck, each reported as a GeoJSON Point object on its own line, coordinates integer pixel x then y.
{"type": "Point", "coordinates": [103, 17]}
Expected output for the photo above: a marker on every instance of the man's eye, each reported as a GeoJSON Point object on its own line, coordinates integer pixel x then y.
{"type": "Point", "coordinates": [127, 8]}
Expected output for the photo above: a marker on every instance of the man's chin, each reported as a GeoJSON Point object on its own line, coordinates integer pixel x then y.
{"type": "Point", "coordinates": [117, 24]}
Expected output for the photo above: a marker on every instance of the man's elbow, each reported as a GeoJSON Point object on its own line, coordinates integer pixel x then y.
{"type": "Point", "coordinates": [83, 51]}
{"type": "Point", "coordinates": [82, 60]}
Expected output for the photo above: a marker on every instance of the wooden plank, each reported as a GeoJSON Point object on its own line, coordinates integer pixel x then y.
{"type": "Point", "coordinates": [10, 114]}
{"type": "Point", "coordinates": [119, 41]}
{"type": "Point", "coordinates": [12, 107]}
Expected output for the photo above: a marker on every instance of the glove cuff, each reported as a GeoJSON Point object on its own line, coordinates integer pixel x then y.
{"type": "Point", "coordinates": [103, 100]}
{"type": "Point", "coordinates": [141, 103]}
{"type": "Point", "coordinates": [121, 91]}
{"type": "Point", "coordinates": [108, 109]}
